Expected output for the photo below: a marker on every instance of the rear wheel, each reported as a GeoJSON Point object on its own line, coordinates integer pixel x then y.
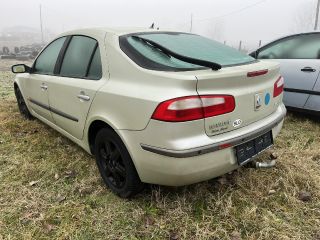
{"type": "Point", "coordinates": [22, 105]}
{"type": "Point", "coordinates": [115, 164]}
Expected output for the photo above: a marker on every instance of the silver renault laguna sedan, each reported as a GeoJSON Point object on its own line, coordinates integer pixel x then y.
{"type": "Point", "coordinates": [153, 106]}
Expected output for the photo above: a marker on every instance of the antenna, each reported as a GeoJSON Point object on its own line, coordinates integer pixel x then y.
{"type": "Point", "coordinates": [41, 24]}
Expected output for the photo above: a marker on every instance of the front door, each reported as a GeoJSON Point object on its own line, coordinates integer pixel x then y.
{"type": "Point", "coordinates": [36, 87]}
{"type": "Point", "coordinates": [301, 76]}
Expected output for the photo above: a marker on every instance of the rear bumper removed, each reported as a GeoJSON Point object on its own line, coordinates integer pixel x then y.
{"type": "Point", "coordinates": [206, 159]}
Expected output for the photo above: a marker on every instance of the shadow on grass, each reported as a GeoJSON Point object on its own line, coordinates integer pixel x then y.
{"type": "Point", "coordinates": [303, 116]}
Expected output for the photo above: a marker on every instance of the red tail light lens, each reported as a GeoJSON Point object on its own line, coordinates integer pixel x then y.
{"type": "Point", "coordinates": [193, 107]}
{"type": "Point", "coordinates": [257, 73]}
{"type": "Point", "coordinates": [278, 87]}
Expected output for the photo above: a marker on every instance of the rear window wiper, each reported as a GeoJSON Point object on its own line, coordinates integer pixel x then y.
{"type": "Point", "coordinates": [152, 45]}
{"type": "Point", "coordinates": [168, 52]}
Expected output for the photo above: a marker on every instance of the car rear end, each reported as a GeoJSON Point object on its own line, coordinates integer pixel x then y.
{"type": "Point", "coordinates": [234, 114]}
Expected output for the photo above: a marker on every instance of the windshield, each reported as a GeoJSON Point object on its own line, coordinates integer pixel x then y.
{"type": "Point", "coordinates": [189, 45]}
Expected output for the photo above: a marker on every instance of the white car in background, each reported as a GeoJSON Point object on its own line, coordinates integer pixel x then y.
{"type": "Point", "coordinates": [299, 58]}
{"type": "Point", "coordinates": [156, 107]}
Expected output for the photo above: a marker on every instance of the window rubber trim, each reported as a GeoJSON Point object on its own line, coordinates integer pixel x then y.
{"type": "Point", "coordinates": [91, 59]}
{"type": "Point", "coordinates": [61, 55]}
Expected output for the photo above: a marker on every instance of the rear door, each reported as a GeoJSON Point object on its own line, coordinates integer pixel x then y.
{"type": "Point", "coordinates": [72, 92]}
{"type": "Point", "coordinates": [299, 59]}
{"type": "Point", "coordinates": [36, 87]}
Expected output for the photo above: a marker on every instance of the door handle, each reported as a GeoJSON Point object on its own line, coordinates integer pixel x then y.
{"type": "Point", "coordinates": [83, 97]}
{"type": "Point", "coordinates": [308, 69]}
{"type": "Point", "coordinates": [43, 87]}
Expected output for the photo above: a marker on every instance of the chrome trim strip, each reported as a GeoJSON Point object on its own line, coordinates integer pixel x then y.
{"type": "Point", "coordinates": [56, 111]}
{"type": "Point", "coordinates": [216, 146]}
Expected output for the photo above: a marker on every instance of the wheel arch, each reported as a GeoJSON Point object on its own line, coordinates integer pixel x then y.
{"type": "Point", "coordinates": [94, 127]}
{"type": "Point", "coordinates": [16, 86]}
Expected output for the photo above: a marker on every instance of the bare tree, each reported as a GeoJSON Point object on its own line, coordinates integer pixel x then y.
{"type": "Point", "coordinates": [304, 17]}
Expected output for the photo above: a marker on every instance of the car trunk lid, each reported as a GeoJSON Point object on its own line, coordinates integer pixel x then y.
{"type": "Point", "coordinates": [252, 87]}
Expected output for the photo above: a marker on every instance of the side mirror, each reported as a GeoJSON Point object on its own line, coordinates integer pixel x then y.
{"type": "Point", "coordinates": [20, 68]}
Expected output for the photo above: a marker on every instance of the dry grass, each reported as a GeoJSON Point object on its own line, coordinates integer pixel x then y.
{"type": "Point", "coordinates": [51, 189]}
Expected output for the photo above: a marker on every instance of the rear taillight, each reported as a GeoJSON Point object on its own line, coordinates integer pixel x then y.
{"type": "Point", "coordinates": [193, 107]}
{"type": "Point", "coordinates": [257, 73]}
{"type": "Point", "coordinates": [278, 87]}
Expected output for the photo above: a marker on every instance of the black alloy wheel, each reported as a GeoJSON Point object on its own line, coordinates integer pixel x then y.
{"type": "Point", "coordinates": [112, 164]}
{"type": "Point", "coordinates": [115, 164]}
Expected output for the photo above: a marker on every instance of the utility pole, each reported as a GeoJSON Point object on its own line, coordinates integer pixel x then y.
{"type": "Point", "coordinates": [240, 45]}
{"type": "Point", "coordinates": [317, 16]}
{"type": "Point", "coordinates": [192, 20]}
{"type": "Point", "coordinates": [41, 25]}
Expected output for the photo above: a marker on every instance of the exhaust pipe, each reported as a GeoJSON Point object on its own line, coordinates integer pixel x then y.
{"type": "Point", "coordinates": [265, 164]}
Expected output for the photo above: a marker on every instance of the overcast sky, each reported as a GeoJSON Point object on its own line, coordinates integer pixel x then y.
{"type": "Point", "coordinates": [225, 20]}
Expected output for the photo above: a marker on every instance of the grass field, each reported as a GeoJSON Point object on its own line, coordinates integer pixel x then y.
{"type": "Point", "coordinates": [51, 189]}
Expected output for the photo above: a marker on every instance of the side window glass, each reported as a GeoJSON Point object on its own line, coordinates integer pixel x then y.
{"type": "Point", "coordinates": [95, 70]}
{"type": "Point", "coordinates": [77, 57]}
{"type": "Point", "coordinates": [46, 61]}
{"type": "Point", "coordinates": [298, 47]}
{"type": "Point", "coordinates": [307, 47]}
{"type": "Point", "coordinates": [278, 50]}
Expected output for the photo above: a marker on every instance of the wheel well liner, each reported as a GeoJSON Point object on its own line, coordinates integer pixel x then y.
{"type": "Point", "coordinates": [94, 128]}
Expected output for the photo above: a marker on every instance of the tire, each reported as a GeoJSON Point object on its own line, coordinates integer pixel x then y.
{"type": "Point", "coordinates": [115, 164]}
{"type": "Point", "coordinates": [22, 105]}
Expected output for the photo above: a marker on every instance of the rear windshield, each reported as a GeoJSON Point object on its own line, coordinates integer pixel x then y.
{"type": "Point", "coordinates": [189, 45]}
